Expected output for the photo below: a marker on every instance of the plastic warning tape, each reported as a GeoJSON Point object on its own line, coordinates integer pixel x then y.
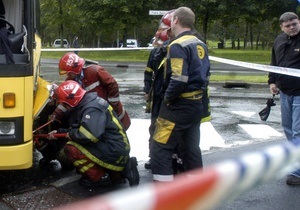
{"type": "Point", "coordinates": [261, 67]}
{"type": "Point", "coordinates": [207, 188]}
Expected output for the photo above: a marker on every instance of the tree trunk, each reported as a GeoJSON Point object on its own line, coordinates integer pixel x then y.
{"type": "Point", "coordinates": [257, 39]}
{"type": "Point", "coordinates": [251, 36]}
{"type": "Point", "coordinates": [205, 25]}
{"type": "Point", "coordinates": [246, 35]}
{"type": "Point", "coordinates": [232, 44]}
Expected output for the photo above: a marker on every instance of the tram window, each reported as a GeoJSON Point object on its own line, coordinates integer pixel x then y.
{"type": "Point", "coordinates": [13, 13]}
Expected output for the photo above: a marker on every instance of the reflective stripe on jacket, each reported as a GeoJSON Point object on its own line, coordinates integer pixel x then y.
{"type": "Point", "coordinates": [98, 133]}
{"type": "Point", "coordinates": [97, 79]}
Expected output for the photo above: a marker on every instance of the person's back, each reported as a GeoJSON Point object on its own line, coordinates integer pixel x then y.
{"type": "Point", "coordinates": [154, 76]}
{"type": "Point", "coordinates": [97, 143]}
{"type": "Point", "coordinates": [98, 119]}
{"type": "Point", "coordinates": [94, 74]}
{"type": "Point", "coordinates": [178, 123]}
{"type": "Point", "coordinates": [94, 78]}
{"type": "Point", "coordinates": [97, 79]}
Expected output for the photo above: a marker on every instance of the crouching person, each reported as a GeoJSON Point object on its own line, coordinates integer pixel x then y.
{"type": "Point", "coordinates": [98, 145]}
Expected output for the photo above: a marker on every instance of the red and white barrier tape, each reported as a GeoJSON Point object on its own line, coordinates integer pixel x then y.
{"type": "Point", "coordinates": [206, 189]}
{"type": "Point", "coordinates": [261, 67]}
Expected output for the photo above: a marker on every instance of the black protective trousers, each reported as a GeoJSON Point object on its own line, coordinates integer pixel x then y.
{"type": "Point", "coordinates": [177, 125]}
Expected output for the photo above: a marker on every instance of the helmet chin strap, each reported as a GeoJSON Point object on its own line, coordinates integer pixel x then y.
{"type": "Point", "coordinates": [71, 96]}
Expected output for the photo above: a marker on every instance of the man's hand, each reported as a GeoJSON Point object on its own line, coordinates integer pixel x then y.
{"type": "Point", "coordinates": [273, 88]}
{"type": "Point", "coordinates": [51, 136]}
{"type": "Point", "coordinates": [167, 102]}
{"type": "Point", "coordinates": [147, 96]}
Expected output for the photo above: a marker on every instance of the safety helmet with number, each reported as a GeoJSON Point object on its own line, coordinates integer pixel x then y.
{"type": "Point", "coordinates": [70, 62]}
{"type": "Point", "coordinates": [69, 92]}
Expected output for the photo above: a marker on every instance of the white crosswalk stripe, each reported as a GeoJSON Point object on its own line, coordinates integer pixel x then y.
{"type": "Point", "coordinates": [138, 135]}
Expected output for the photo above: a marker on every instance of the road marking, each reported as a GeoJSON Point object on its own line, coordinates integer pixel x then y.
{"type": "Point", "coordinates": [138, 135]}
{"type": "Point", "coordinates": [209, 137]}
{"type": "Point", "coordinates": [243, 113]}
{"type": "Point", "coordinates": [260, 131]}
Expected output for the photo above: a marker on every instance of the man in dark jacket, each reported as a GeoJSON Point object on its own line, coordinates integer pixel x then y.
{"type": "Point", "coordinates": [186, 78]}
{"type": "Point", "coordinates": [98, 145]}
{"type": "Point", "coordinates": [286, 53]}
{"type": "Point", "coordinates": [154, 74]}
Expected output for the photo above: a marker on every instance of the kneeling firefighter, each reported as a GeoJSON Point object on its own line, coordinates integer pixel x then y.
{"type": "Point", "coordinates": [97, 143]}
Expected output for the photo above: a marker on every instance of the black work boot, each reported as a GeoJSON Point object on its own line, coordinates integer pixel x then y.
{"type": "Point", "coordinates": [148, 164]}
{"type": "Point", "coordinates": [104, 181]}
{"type": "Point", "coordinates": [131, 172]}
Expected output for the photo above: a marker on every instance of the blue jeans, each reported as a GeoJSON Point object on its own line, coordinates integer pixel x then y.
{"type": "Point", "coordinates": [290, 119]}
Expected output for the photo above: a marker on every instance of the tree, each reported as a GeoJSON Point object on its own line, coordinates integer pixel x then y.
{"type": "Point", "coordinates": [115, 18]}
{"type": "Point", "coordinates": [59, 18]}
{"type": "Point", "coordinates": [103, 22]}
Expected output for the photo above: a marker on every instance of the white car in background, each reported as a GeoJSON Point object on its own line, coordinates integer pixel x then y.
{"type": "Point", "coordinates": [57, 43]}
{"type": "Point", "coordinates": [132, 43]}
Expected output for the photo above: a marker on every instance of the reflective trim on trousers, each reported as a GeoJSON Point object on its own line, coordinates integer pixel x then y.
{"type": "Point", "coordinates": [163, 178]}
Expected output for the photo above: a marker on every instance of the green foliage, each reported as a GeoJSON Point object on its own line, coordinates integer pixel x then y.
{"type": "Point", "coordinates": [100, 23]}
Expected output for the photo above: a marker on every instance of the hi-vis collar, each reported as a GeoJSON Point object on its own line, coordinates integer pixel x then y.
{"type": "Point", "coordinates": [188, 39]}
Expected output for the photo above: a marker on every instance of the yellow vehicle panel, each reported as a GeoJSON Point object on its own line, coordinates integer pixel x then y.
{"type": "Point", "coordinates": [41, 97]}
{"type": "Point", "coordinates": [13, 85]}
{"type": "Point", "coordinates": [24, 101]}
{"type": "Point", "coordinates": [16, 156]}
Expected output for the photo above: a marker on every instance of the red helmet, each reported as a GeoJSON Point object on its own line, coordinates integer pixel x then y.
{"type": "Point", "coordinates": [165, 21]}
{"type": "Point", "coordinates": [70, 92]}
{"type": "Point", "coordinates": [161, 34]}
{"type": "Point", "coordinates": [70, 62]}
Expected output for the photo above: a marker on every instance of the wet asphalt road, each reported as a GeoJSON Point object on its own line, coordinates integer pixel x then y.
{"type": "Point", "coordinates": [226, 105]}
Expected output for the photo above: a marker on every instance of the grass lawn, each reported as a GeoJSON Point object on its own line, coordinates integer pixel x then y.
{"type": "Point", "coordinates": [236, 77]}
{"type": "Point", "coordinates": [251, 56]}
{"type": "Point", "coordinates": [128, 55]}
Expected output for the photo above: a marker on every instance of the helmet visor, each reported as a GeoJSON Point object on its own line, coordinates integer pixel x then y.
{"type": "Point", "coordinates": [62, 72]}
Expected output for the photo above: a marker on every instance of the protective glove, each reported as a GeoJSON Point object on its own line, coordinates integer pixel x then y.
{"type": "Point", "coordinates": [51, 136]}
{"type": "Point", "coordinates": [58, 113]}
